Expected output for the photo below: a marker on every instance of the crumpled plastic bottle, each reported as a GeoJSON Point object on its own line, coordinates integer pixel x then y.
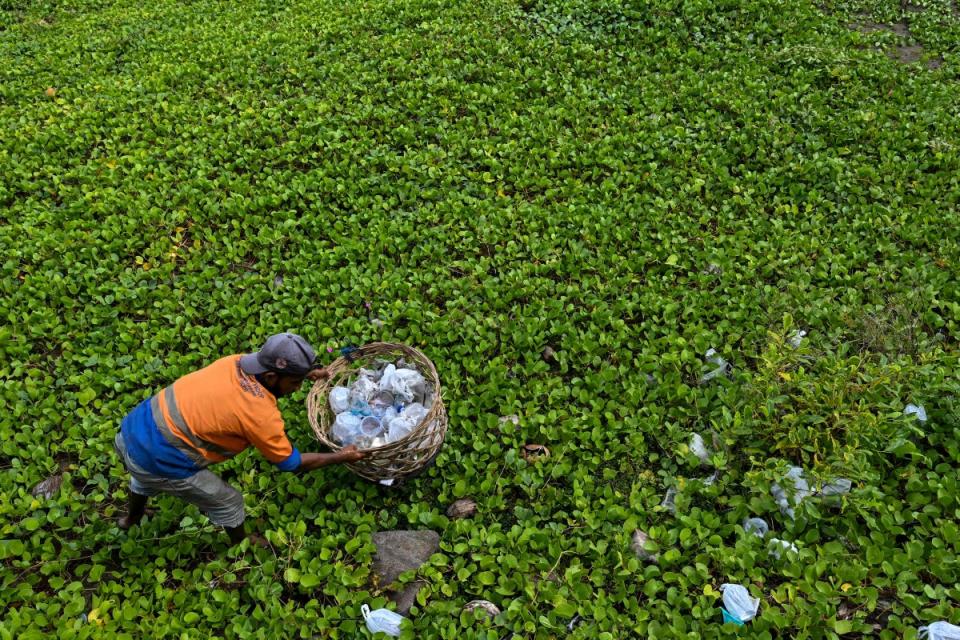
{"type": "Point", "coordinates": [382, 621]}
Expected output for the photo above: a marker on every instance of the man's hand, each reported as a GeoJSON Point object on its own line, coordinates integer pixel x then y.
{"type": "Point", "coordinates": [351, 454]}
{"type": "Point", "coordinates": [311, 461]}
{"type": "Point", "coordinates": [318, 374]}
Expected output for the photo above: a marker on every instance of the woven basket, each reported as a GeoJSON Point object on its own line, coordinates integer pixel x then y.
{"type": "Point", "coordinates": [396, 460]}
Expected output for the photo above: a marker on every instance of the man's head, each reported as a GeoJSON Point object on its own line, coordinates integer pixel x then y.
{"type": "Point", "coordinates": [281, 364]}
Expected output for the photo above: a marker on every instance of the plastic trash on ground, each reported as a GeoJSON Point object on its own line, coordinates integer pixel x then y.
{"type": "Point", "coordinates": [939, 631]}
{"type": "Point", "coordinates": [640, 539]}
{"type": "Point", "coordinates": [382, 620]}
{"type": "Point", "coordinates": [838, 487]}
{"type": "Point", "coordinates": [778, 547]}
{"type": "Point", "coordinates": [756, 526]}
{"type": "Point", "coordinates": [346, 428]}
{"type": "Point", "coordinates": [722, 366]}
{"type": "Point", "coordinates": [916, 410]}
{"type": "Point", "coordinates": [800, 491]}
{"type": "Point", "coordinates": [796, 338]}
{"type": "Point", "coordinates": [670, 500]}
{"type": "Point", "coordinates": [698, 448]}
{"type": "Point", "coordinates": [339, 399]}
{"type": "Point", "coordinates": [738, 604]}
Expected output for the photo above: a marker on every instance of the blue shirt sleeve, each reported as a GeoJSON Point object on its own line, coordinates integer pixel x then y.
{"type": "Point", "coordinates": [291, 462]}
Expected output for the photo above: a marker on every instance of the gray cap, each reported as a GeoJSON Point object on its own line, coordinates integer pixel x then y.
{"type": "Point", "coordinates": [281, 353]}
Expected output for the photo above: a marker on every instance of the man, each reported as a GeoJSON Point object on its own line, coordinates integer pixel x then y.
{"type": "Point", "coordinates": [211, 415]}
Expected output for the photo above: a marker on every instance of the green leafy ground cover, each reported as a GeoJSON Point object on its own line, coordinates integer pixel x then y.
{"type": "Point", "coordinates": [627, 183]}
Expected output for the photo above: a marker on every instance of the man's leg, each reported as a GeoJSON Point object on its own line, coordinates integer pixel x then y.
{"type": "Point", "coordinates": [218, 501]}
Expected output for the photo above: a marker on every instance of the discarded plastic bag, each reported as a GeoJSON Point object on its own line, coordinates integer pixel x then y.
{"type": "Point", "coordinates": [382, 621]}
{"type": "Point", "coordinates": [756, 526]}
{"type": "Point", "coordinates": [778, 547]}
{"type": "Point", "coordinates": [698, 448]}
{"type": "Point", "coordinates": [723, 367]}
{"type": "Point", "coordinates": [939, 631]}
{"type": "Point", "coordinates": [738, 602]}
{"type": "Point", "coordinates": [796, 338]}
{"type": "Point", "coordinates": [339, 399]}
{"type": "Point", "coordinates": [838, 487]}
{"type": "Point", "coordinates": [670, 500]}
{"type": "Point", "coordinates": [800, 491]}
{"type": "Point", "coordinates": [917, 410]}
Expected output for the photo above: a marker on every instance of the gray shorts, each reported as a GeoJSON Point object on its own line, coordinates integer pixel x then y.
{"type": "Point", "coordinates": [218, 500]}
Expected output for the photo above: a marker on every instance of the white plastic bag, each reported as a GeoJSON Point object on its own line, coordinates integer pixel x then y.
{"type": "Point", "coordinates": [778, 547]}
{"type": "Point", "coordinates": [698, 448]}
{"type": "Point", "coordinates": [346, 428]}
{"type": "Point", "coordinates": [839, 487]}
{"type": "Point", "coordinates": [382, 621]}
{"type": "Point", "coordinates": [737, 601]}
{"type": "Point", "coordinates": [800, 491]}
{"type": "Point", "coordinates": [796, 338]}
{"type": "Point", "coordinates": [916, 410]}
{"type": "Point", "coordinates": [339, 399]}
{"type": "Point", "coordinates": [723, 367]}
{"type": "Point", "coordinates": [756, 526]}
{"type": "Point", "coordinates": [939, 631]}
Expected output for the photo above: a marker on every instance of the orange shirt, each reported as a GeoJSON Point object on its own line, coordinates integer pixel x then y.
{"type": "Point", "coordinates": [219, 411]}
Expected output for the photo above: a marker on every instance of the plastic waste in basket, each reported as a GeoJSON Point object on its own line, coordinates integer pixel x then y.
{"type": "Point", "coordinates": [339, 399]}
{"type": "Point", "coordinates": [382, 620]}
{"type": "Point", "coordinates": [939, 631]}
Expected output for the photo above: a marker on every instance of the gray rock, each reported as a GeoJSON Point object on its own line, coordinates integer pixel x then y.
{"type": "Point", "coordinates": [400, 551]}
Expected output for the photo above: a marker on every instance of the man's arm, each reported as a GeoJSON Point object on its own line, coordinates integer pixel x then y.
{"type": "Point", "coordinates": [311, 461]}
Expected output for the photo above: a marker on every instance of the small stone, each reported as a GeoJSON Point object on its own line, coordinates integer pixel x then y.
{"type": "Point", "coordinates": [486, 606]}
{"type": "Point", "coordinates": [278, 281]}
{"type": "Point", "coordinates": [462, 508]}
{"type": "Point", "coordinates": [640, 539]}
{"type": "Point", "coordinates": [549, 355]}
{"type": "Point", "coordinates": [515, 419]}
{"type": "Point", "coordinates": [401, 551]}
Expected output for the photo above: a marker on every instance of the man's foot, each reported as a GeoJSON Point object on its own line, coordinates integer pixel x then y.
{"type": "Point", "coordinates": [259, 540]}
{"type": "Point", "coordinates": [137, 507]}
